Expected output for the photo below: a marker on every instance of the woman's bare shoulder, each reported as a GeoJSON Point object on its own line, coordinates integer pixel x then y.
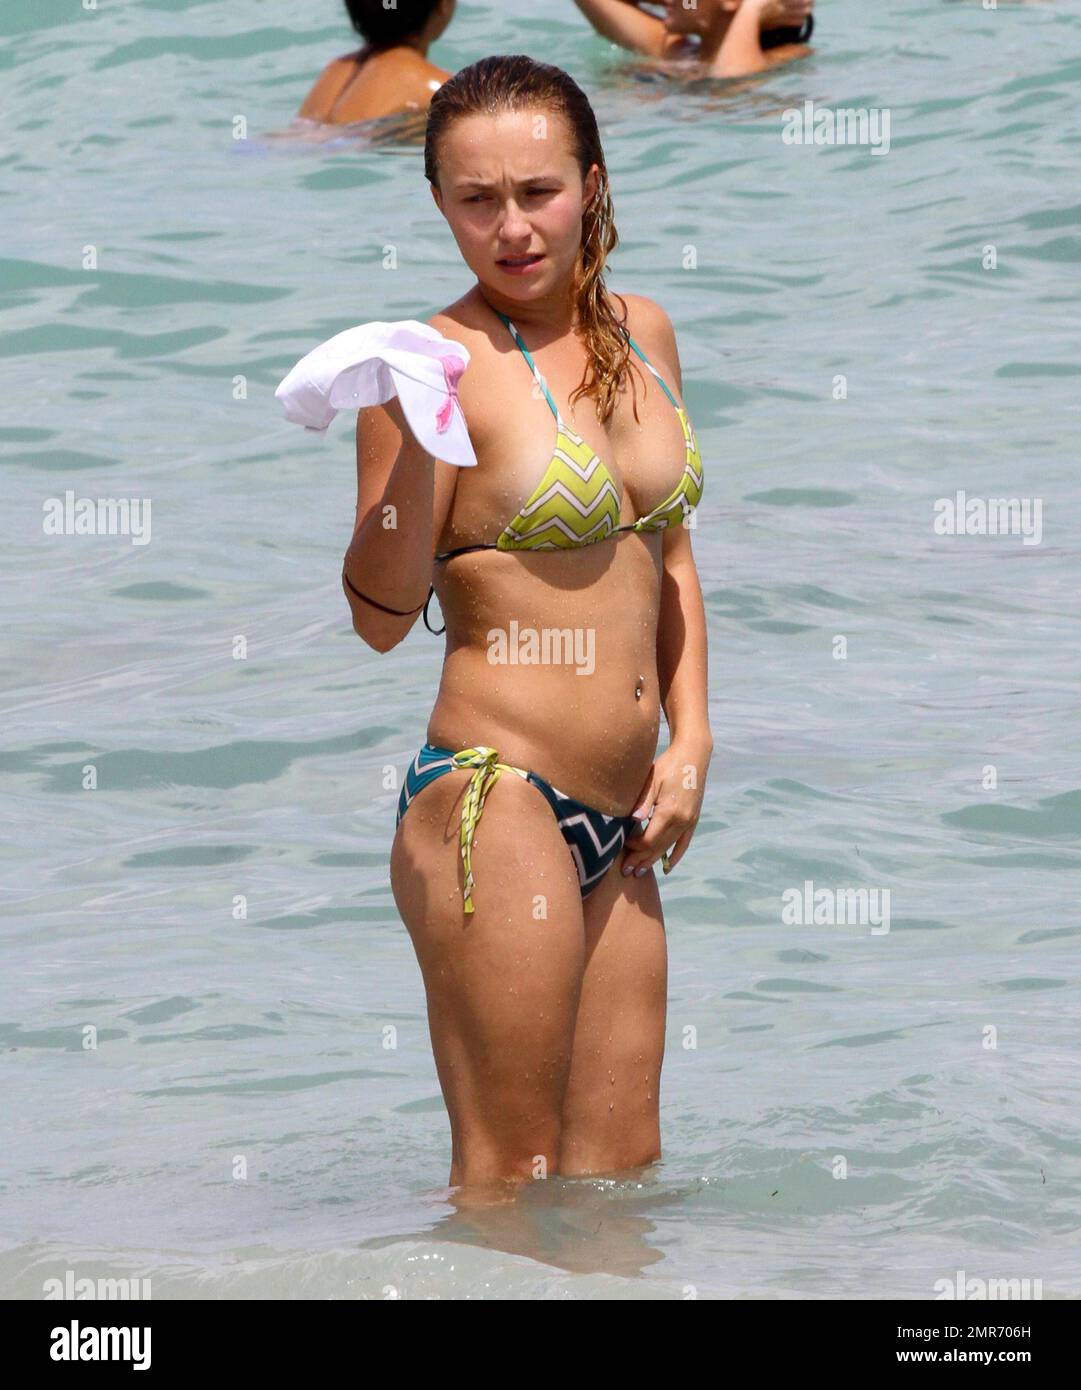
{"type": "Point", "coordinates": [329, 85]}
{"type": "Point", "coordinates": [419, 77]}
{"type": "Point", "coordinates": [435, 75]}
{"type": "Point", "coordinates": [652, 329]}
{"type": "Point", "coordinates": [647, 320]}
{"type": "Point", "coordinates": [466, 321]}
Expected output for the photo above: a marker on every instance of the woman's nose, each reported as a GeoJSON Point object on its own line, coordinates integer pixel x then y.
{"type": "Point", "coordinates": [514, 222]}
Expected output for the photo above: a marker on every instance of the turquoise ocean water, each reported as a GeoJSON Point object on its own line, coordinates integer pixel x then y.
{"type": "Point", "coordinates": [865, 1113]}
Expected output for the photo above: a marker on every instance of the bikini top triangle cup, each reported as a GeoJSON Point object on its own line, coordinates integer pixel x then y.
{"type": "Point", "coordinates": [577, 501]}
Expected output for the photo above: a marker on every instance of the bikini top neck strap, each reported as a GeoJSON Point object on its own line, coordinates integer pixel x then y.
{"type": "Point", "coordinates": [543, 385]}
{"type": "Point", "coordinates": [653, 369]}
{"type": "Point", "coordinates": [532, 365]}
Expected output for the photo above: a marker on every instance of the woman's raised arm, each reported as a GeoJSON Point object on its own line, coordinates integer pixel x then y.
{"type": "Point", "coordinates": [403, 499]}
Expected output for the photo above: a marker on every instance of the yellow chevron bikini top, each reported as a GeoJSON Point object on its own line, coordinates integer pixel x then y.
{"type": "Point", "coordinates": [577, 502]}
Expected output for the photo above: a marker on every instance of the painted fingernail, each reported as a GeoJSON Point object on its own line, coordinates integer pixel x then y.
{"type": "Point", "coordinates": [641, 869]}
{"type": "Point", "coordinates": [628, 869]}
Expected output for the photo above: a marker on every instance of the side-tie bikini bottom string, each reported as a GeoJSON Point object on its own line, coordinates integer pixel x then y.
{"type": "Point", "coordinates": [487, 770]}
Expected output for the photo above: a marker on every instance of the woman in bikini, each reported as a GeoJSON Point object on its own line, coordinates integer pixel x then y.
{"type": "Point", "coordinates": [522, 864]}
{"type": "Point", "coordinates": [709, 38]}
{"type": "Point", "coordinates": [391, 75]}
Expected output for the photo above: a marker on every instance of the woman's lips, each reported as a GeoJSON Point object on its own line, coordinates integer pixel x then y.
{"type": "Point", "coordinates": [514, 265]}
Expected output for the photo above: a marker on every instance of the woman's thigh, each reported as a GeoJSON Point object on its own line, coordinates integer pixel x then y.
{"type": "Point", "coordinates": [611, 1111]}
{"type": "Point", "coordinates": [503, 982]}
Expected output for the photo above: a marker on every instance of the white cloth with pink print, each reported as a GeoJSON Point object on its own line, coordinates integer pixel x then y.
{"type": "Point", "coordinates": [368, 364]}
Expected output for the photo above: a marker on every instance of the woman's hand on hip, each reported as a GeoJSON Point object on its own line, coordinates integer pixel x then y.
{"type": "Point", "coordinates": [671, 798]}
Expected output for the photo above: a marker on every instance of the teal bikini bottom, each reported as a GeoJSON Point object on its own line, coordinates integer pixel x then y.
{"type": "Point", "coordinates": [593, 838]}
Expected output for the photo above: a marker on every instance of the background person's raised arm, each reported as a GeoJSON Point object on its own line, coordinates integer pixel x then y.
{"type": "Point", "coordinates": [620, 21]}
{"type": "Point", "coordinates": [741, 52]}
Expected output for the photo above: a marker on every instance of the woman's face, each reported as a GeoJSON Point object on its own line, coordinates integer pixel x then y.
{"type": "Point", "coordinates": [510, 189]}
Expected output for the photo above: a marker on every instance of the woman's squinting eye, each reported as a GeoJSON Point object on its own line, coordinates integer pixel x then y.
{"type": "Point", "coordinates": [530, 192]}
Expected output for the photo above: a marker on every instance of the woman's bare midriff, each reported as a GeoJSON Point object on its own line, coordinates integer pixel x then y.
{"type": "Point", "coordinates": [521, 626]}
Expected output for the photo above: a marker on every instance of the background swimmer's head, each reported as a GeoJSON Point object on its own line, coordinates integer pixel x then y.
{"type": "Point", "coordinates": [515, 163]}
{"type": "Point", "coordinates": [411, 19]}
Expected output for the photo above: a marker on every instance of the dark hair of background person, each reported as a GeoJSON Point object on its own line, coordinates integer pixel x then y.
{"type": "Point", "coordinates": [517, 82]}
{"type": "Point", "coordinates": [386, 28]}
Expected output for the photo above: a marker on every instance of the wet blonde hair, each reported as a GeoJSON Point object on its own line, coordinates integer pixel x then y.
{"type": "Point", "coordinates": [518, 83]}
